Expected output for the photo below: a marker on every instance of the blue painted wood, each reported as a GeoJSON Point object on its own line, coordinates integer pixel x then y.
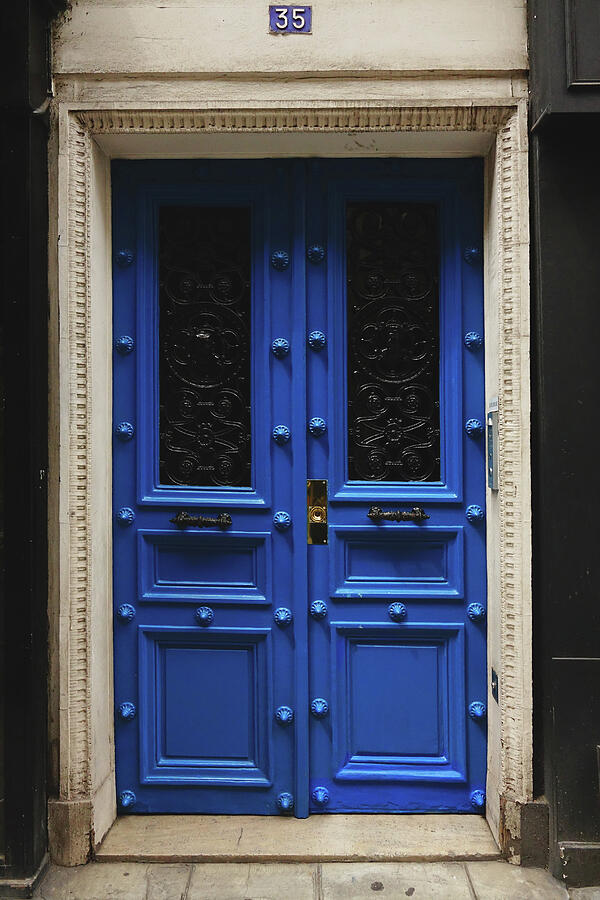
{"type": "Point", "coordinates": [397, 735]}
{"type": "Point", "coordinates": [393, 731]}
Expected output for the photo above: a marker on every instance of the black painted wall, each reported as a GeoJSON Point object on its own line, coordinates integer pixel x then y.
{"type": "Point", "coordinates": [566, 254]}
{"type": "Point", "coordinates": [24, 411]}
{"type": "Point", "coordinates": [565, 196]}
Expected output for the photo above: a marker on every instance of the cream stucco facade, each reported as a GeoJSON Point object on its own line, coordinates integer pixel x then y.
{"type": "Point", "coordinates": [178, 78]}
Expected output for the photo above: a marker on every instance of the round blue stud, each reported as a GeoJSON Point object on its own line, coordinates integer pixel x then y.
{"type": "Point", "coordinates": [318, 609]}
{"type": "Point", "coordinates": [127, 710]}
{"type": "Point", "coordinates": [478, 799]}
{"type": "Point", "coordinates": [472, 255]}
{"type": "Point", "coordinates": [315, 253]}
{"type": "Point", "coordinates": [319, 707]}
{"type": "Point", "coordinates": [473, 340]}
{"type": "Point", "coordinates": [124, 257]}
{"type": "Point", "coordinates": [281, 434]}
{"type": "Point", "coordinates": [317, 426]}
{"type": "Point", "coordinates": [476, 612]}
{"type": "Point", "coordinates": [204, 616]}
{"type": "Point", "coordinates": [477, 709]}
{"type": "Point", "coordinates": [280, 259]}
{"type": "Point", "coordinates": [283, 616]}
{"type": "Point", "coordinates": [474, 428]}
{"type": "Point", "coordinates": [127, 799]}
{"type": "Point", "coordinates": [280, 347]}
{"type": "Point", "coordinates": [125, 516]}
{"type": "Point", "coordinates": [126, 612]}
{"type": "Point", "coordinates": [285, 802]}
{"type": "Point", "coordinates": [475, 513]}
{"type": "Point", "coordinates": [317, 340]}
{"type": "Point", "coordinates": [124, 431]}
{"type": "Point", "coordinates": [284, 715]}
{"type": "Point", "coordinates": [282, 520]}
{"type": "Point", "coordinates": [124, 344]}
{"type": "Point", "coordinates": [320, 796]}
{"type": "Point", "coordinates": [397, 612]}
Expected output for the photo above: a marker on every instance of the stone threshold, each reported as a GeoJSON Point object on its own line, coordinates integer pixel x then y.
{"type": "Point", "coordinates": [320, 838]}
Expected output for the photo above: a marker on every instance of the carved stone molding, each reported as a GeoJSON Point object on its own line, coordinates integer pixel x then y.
{"type": "Point", "coordinates": [338, 117]}
{"type": "Point", "coordinates": [78, 743]}
{"type": "Point", "coordinates": [506, 122]}
{"type": "Point", "coordinates": [514, 468]}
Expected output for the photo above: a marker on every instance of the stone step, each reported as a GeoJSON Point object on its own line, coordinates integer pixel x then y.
{"type": "Point", "coordinates": [320, 838]}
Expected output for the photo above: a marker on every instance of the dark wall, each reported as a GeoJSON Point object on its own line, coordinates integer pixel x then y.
{"type": "Point", "coordinates": [564, 36]}
{"type": "Point", "coordinates": [24, 411]}
{"type": "Point", "coordinates": [566, 278]}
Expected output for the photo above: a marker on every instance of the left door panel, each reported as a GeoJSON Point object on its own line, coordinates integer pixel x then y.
{"type": "Point", "coordinates": [205, 681]}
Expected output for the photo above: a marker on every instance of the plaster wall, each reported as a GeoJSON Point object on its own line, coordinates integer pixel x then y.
{"type": "Point", "coordinates": [230, 38]}
{"type": "Point", "coordinates": [168, 79]}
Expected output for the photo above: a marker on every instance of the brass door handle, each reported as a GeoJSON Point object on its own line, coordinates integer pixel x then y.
{"type": "Point", "coordinates": [184, 520]}
{"type": "Point", "coordinates": [416, 514]}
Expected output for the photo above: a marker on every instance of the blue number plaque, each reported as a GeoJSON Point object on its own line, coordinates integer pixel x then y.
{"type": "Point", "coordinates": [290, 19]}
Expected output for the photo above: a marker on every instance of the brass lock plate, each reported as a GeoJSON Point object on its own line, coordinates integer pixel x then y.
{"type": "Point", "coordinates": [316, 511]}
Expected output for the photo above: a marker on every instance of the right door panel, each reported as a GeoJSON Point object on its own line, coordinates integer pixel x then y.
{"type": "Point", "coordinates": [399, 655]}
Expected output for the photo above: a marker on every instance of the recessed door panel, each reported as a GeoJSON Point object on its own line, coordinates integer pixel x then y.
{"type": "Point", "coordinates": [220, 568]}
{"type": "Point", "coordinates": [396, 562]}
{"type": "Point", "coordinates": [277, 322]}
{"type": "Point", "coordinates": [205, 707]}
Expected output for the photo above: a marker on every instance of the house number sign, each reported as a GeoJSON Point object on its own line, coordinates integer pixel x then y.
{"type": "Point", "coordinates": [290, 19]}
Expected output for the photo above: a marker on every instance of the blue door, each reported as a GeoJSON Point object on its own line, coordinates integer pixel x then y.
{"type": "Point", "coordinates": [299, 538]}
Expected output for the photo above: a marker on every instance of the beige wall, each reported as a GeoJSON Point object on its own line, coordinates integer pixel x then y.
{"type": "Point", "coordinates": [231, 36]}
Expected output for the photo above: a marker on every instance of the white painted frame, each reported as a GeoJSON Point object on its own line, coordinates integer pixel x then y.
{"type": "Point", "coordinates": [85, 137]}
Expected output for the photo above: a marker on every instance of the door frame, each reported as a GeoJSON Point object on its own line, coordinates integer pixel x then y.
{"type": "Point", "coordinates": [86, 137]}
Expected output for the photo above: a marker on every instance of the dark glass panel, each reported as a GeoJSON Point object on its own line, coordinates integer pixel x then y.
{"type": "Point", "coordinates": [393, 342]}
{"type": "Point", "coordinates": [204, 298]}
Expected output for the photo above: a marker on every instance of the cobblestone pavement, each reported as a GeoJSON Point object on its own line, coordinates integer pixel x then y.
{"type": "Point", "coordinates": [310, 881]}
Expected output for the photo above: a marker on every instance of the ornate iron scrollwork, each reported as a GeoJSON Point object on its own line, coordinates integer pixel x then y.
{"type": "Point", "coordinates": [204, 351]}
{"type": "Point", "coordinates": [393, 342]}
{"type": "Point", "coordinates": [416, 514]}
{"type": "Point", "coordinates": [184, 520]}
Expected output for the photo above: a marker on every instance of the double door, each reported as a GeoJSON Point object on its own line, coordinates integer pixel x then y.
{"type": "Point", "coordinates": [298, 478]}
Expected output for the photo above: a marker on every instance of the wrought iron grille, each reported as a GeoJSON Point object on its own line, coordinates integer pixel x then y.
{"type": "Point", "coordinates": [392, 263]}
{"type": "Point", "coordinates": [204, 336]}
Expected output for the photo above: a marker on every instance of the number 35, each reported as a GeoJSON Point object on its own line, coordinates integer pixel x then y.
{"type": "Point", "coordinates": [298, 19]}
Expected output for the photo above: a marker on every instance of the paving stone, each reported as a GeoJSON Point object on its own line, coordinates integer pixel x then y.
{"type": "Point", "coordinates": [417, 880]}
{"type": "Point", "coordinates": [253, 881]}
{"type": "Point", "coordinates": [499, 880]}
{"type": "Point", "coordinates": [586, 893]}
{"type": "Point", "coordinates": [166, 882]}
{"type": "Point", "coordinates": [96, 881]}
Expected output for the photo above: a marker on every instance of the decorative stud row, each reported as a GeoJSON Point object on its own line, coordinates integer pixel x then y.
{"type": "Point", "coordinates": [283, 616]}
{"type": "Point", "coordinates": [280, 347]}
{"type": "Point", "coordinates": [280, 259]}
